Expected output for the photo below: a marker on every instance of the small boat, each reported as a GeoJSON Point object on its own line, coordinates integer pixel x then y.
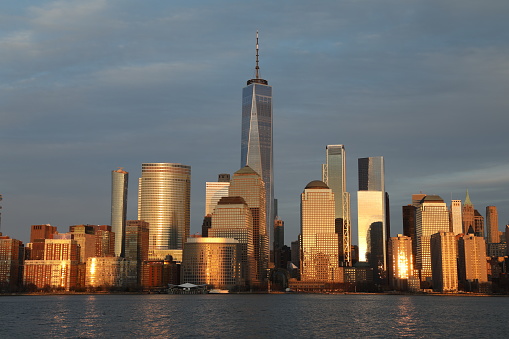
{"type": "Point", "coordinates": [218, 291]}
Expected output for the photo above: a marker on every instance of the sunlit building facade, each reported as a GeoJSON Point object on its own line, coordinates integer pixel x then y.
{"type": "Point", "coordinates": [58, 269]}
{"type": "Point", "coordinates": [372, 214]}
{"type": "Point", "coordinates": [472, 264]}
{"type": "Point", "coordinates": [11, 261]}
{"type": "Point", "coordinates": [256, 138]}
{"type": "Point", "coordinates": [455, 217]}
{"type": "Point", "coordinates": [107, 272]}
{"type": "Point", "coordinates": [248, 184]}
{"type": "Point", "coordinates": [232, 218]}
{"type": "Point", "coordinates": [164, 198]}
{"type": "Point", "coordinates": [119, 181]}
{"type": "Point", "coordinates": [444, 262]}
{"type": "Point", "coordinates": [212, 261]}
{"type": "Point", "coordinates": [400, 262]}
{"type": "Point", "coordinates": [432, 216]}
{"type": "Point", "coordinates": [319, 240]}
{"type": "Point", "coordinates": [492, 224]}
{"type": "Point", "coordinates": [468, 214]}
{"type": "Point", "coordinates": [334, 176]}
{"type": "Point", "coordinates": [214, 191]}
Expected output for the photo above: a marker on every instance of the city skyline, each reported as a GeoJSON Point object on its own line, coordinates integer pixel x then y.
{"type": "Point", "coordinates": [79, 102]}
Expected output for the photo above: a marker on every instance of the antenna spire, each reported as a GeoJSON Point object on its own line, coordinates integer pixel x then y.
{"type": "Point", "coordinates": [257, 79]}
{"type": "Point", "coordinates": [257, 55]}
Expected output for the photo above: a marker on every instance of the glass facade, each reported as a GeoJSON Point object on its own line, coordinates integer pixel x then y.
{"type": "Point", "coordinates": [432, 216]}
{"type": "Point", "coordinates": [214, 191]}
{"type": "Point", "coordinates": [444, 262]}
{"type": "Point", "coordinates": [232, 218]}
{"type": "Point", "coordinates": [164, 202]}
{"type": "Point", "coordinates": [119, 180]}
{"type": "Point", "coordinates": [256, 142]}
{"type": "Point", "coordinates": [371, 174]}
{"type": "Point", "coordinates": [248, 184]}
{"type": "Point", "coordinates": [319, 240]}
{"type": "Point", "coordinates": [211, 261]}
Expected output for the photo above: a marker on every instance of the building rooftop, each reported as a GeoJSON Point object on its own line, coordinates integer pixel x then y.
{"type": "Point", "coordinates": [317, 184]}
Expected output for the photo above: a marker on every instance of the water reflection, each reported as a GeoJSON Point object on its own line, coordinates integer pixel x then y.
{"type": "Point", "coordinates": [406, 317]}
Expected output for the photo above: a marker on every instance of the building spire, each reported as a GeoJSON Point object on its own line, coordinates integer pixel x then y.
{"type": "Point", "coordinates": [257, 68]}
{"type": "Point", "coordinates": [257, 78]}
{"type": "Point", "coordinates": [467, 199]}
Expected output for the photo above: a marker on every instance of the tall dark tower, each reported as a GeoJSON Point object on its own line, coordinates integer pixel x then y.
{"type": "Point", "coordinates": [256, 143]}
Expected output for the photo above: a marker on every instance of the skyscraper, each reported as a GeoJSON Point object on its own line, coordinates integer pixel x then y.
{"type": "Point", "coordinates": [319, 240]}
{"type": "Point", "coordinates": [164, 198]}
{"type": "Point", "coordinates": [443, 262]}
{"type": "Point", "coordinates": [248, 184]}
{"type": "Point", "coordinates": [456, 225]}
{"type": "Point", "coordinates": [472, 259]}
{"type": "Point", "coordinates": [400, 261]}
{"type": "Point", "coordinates": [119, 180]}
{"type": "Point", "coordinates": [334, 176]}
{"type": "Point", "coordinates": [214, 191]}
{"type": "Point", "coordinates": [256, 142]}
{"type": "Point", "coordinates": [371, 211]}
{"type": "Point", "coordinates": [492, 224]}
{"type": "Point", "coordinates": [467, 214]}
{"type": "Point", "coordinates": [432, 216]}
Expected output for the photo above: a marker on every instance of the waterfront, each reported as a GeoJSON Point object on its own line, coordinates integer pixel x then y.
{"type": "Point", "coordinates": [252, 316]}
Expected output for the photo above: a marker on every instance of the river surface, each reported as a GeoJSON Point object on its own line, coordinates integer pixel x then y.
{"type": "Point", "coordinates": [253, 316]}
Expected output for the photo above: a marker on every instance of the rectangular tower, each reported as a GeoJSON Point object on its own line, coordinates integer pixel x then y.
{"type": "Point", "coordinates": [371, 212]}
{"type": "Point", "coordinates": [492, 224]}
{"type": "Point", "coordinates": [443, 262]}
{"type": "Point", "coordinates": [456, 223]}
{"type": "Point", "coordinates": [334, 176]}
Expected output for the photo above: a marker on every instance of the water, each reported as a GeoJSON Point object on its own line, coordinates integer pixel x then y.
{"type": "Point", "coordinates": [253, 316]}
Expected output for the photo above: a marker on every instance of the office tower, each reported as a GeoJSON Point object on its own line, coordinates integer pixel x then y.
{"type": "Point", "coordinates": [58, 269]}
{"type": "Point", "coordinates": [468, 214]}
{"type": "Point", "coordinates": [456, 220]}
{"type": "Point", "coordinates": [164, 199]}
{"type": "Point", "coordinates": [443, 262]}
{"type": "Point", "coordinates": [212, 261]}
{"type": "Point", "coordinates": [472, 265]}
{"type": "Point", "coordinates": [256, 143]}
{"type": "Point", "coordinates": [42, 232]}
{"type": "Point", "coordinates": [279, 243]}
{"type": "Point", "coordinates": [319, 240]}
{"type": "Point", "coordinates": [232, 218]}
{"type": "Point", "coordinates": [409, 221]}
{"type": "Point", "coordinates": [214, 191]}
{"type": "Point", "coordinates": [160, 273]}
{"type": "Point", "coordinates": [108, 272]}
{"type": "Point", "coordinates": [86, 239]}
{"type": "Point", "coordinates": [248, 184]}
{"type": "Point", "coordinates": [334, 176]}
{"type": "Point", "coordinates": [104, 241]}
{"type": "Point", "coordinates": [119, 180]}
{"type": "Point", "coordinates": [11, 261]}
{"type": "Point", "coordinates": [432, 216]}
{"type": "Point", "coordinates": [400, 262]}
{"type": "Point", "coordinates": [371, 211]}
{"type": "Point", "coordinates": [492, 224]}
{"type": "Point", "coordinates": [136, 240]}
{"type": "Point", "coordinates": [478, 224]}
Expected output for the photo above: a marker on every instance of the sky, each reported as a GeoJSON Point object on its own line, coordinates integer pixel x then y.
{"type": "Point", "coordinates": [90, 86]}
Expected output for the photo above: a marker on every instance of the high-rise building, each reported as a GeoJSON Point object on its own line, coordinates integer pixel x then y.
{"type": "Point", "coordinates": [110, 272]}
{"type": "Point", "coordinates": [468, 214]}
{"type": "Point", "coordinates": [232, 218]}
{"type": "Point", "coordinates": [443, 262]}
{"type": "Point", "coordinates": [164, 199]}
{"type": "Point", "coordinates": [42, 232]}
{"type": "Point", "coordinates": [11, 261]}
{"type": "Point", "coordinates": [371, 212]}
{"type": "Point", "coordinates": [472, 265]}
{"type": "Point", "coordinates": [319, 240]}
{"type": "Point", "coordinates": [334, 176]}
{"type": "Point", "coordinates": [400, 262]}
{"type": "Point", "coordinates": [119, 181]}
{"type": "Point", "coordinates": [492, 224]}
{"type": "Point", "coordinates": [212, 261]}
{"type": "Point", "coordinates": [256, 142]}
{"type": "Point", "coordinates": [214, 191]}
{"type": "Point", "coordinates": [248, 184]}
{"type": "Point", "coordinates": [478, 224]}
{"type": "Point", "coordinates": [455, 217]}
{"type": "Point", "coordinates": [432, 216]}
{"type": "Point", "coordinates": [136, 245]}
